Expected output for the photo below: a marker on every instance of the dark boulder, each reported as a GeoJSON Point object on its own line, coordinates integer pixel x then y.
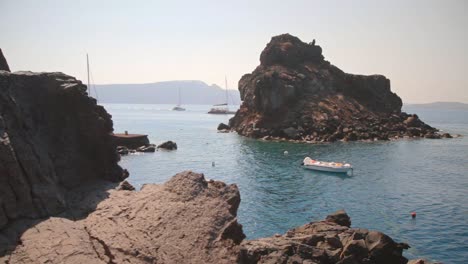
{"type": "Point", "coordinates": [382, 249]}
{"type": "Point", "coordinates": [169, 145]}
{"type": "Point", "coordinates": [446, 135]}
{"type": "Point", "coordinates": [339, 217]}
{"type": "Point", "coordinates": [223, 126]}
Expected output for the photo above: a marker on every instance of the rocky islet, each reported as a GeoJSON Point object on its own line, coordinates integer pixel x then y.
{"type": "Point", "coordinates": [295, 94]}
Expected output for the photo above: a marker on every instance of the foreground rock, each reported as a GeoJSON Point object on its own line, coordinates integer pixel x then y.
{"type": "Point", "coordinates": [295, 94]}
{"type": "Point", "coordinates": [3, 63]}
{"type": "Point", "coordinates": [53, 137]}
{"type": "Point", "coordinates": [185, 220]}
{"type": "Point", "coordinates": [168, 145]}
{"type": "Point", "coordinates": [329, 241]}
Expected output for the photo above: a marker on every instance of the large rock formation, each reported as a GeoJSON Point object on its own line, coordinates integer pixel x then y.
{"type": "Point", "coordinates": [295, 94]}
{"type": "Point", "coordinates": [188, 220]}
{"type": "Point", "coordinates": [53, 137]}
{"type": "Point", "coordinates": [3, 63]}
{"type": "Point", "coordinates": [185, 220]}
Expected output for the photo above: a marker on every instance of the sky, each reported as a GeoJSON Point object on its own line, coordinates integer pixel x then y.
{"type": "Point", "coordinates": [421, 46]}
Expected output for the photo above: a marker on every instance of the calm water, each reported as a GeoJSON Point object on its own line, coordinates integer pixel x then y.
{"type": "Point", "coordinates": [391, 179]}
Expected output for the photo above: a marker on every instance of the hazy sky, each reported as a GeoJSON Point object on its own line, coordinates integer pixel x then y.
{"type": "Point", "coordinates": [421, 46]}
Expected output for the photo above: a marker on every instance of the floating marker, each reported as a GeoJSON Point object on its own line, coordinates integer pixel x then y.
{"type": "Point", "coordinates": [285, 152]}
{"type": "Point", "coordinates": [413, 214]}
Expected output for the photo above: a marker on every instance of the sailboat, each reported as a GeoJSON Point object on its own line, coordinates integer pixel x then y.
{"type": "Point", "coordinates": [178, 107]}
{"type": "Point", "coordinates": [222, 109]}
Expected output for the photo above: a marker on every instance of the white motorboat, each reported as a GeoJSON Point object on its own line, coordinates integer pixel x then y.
{"type": "Point", "coordinates": [338, 167]}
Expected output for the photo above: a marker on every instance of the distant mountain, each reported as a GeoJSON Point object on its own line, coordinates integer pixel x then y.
{"type": "Point", "coordinates": [441, 105]}
{"type": "Point", "coordinates": [192, 92]}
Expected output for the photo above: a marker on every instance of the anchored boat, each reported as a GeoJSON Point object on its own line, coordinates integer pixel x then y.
{"type": "Point", "coordinates": [178, 107]}
{"type": "Point", "coordinates": [222, 109]}
{"type": "Point", "coordinates": [337, 167]}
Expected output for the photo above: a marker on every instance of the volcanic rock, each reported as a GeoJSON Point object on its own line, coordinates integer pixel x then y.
{"type": "Point", "coordinates": [223, 126]}
{"type": "Point", "coordinates": [125, 186]}
{"type": "Point", "coordinates": [53, 137]}
{"type": "Point", "coordinates": [325, 242]}
{"type": "Point", "coordinates": [296, 94]}
{"type": "Point", "coordinates": [3, 63]}
{"type": "Point", "coordinates": [185, 220]}
{"type": "Point", "coordinates": [169, 145]}
{"type": "Point", "coordinates": [339, 217]}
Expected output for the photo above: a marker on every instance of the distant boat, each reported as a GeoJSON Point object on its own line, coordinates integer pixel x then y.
{"type": "Point", "coordinates": [178, 107]}
{"type": "Point", "coordinates": [222, 109]}
{"type": "Point", "coordinates": [338, 167]}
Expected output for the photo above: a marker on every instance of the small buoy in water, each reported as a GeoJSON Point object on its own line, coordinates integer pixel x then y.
{"type": "Point", "coordinates": [285, 152]}
{"type": "Point", "coordinates": [413, 214]}
{"type": "Point", "coordinates": [212, 164]}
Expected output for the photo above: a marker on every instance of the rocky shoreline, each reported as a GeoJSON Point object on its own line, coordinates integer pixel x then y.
{"type": "Point", "coordinates": [186, 220]}
{"type": "Point", "coordinates": [295, 94]}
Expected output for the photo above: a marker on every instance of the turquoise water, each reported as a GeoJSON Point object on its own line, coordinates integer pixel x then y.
{"type": "Point", "coordinates": [391, 179]}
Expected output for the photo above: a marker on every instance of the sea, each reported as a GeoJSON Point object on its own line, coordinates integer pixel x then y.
{"type": "Point", "coordinates": [391, 179]}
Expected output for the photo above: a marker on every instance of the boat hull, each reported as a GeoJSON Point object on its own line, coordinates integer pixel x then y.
{"type": "Point", "coordinates": [328, 169]}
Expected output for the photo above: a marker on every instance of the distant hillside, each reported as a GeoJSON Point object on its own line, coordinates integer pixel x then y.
{"type": "Point", "coordinates": [441, 105]}
{"type": "Point", "coordinates": [192, 92]}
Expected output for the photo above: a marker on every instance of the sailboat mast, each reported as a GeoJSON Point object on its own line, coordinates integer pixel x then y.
{"type": "Point", "coordinates": [87, 68]}
{"type": "Point", "coordinates": [226, 87]}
